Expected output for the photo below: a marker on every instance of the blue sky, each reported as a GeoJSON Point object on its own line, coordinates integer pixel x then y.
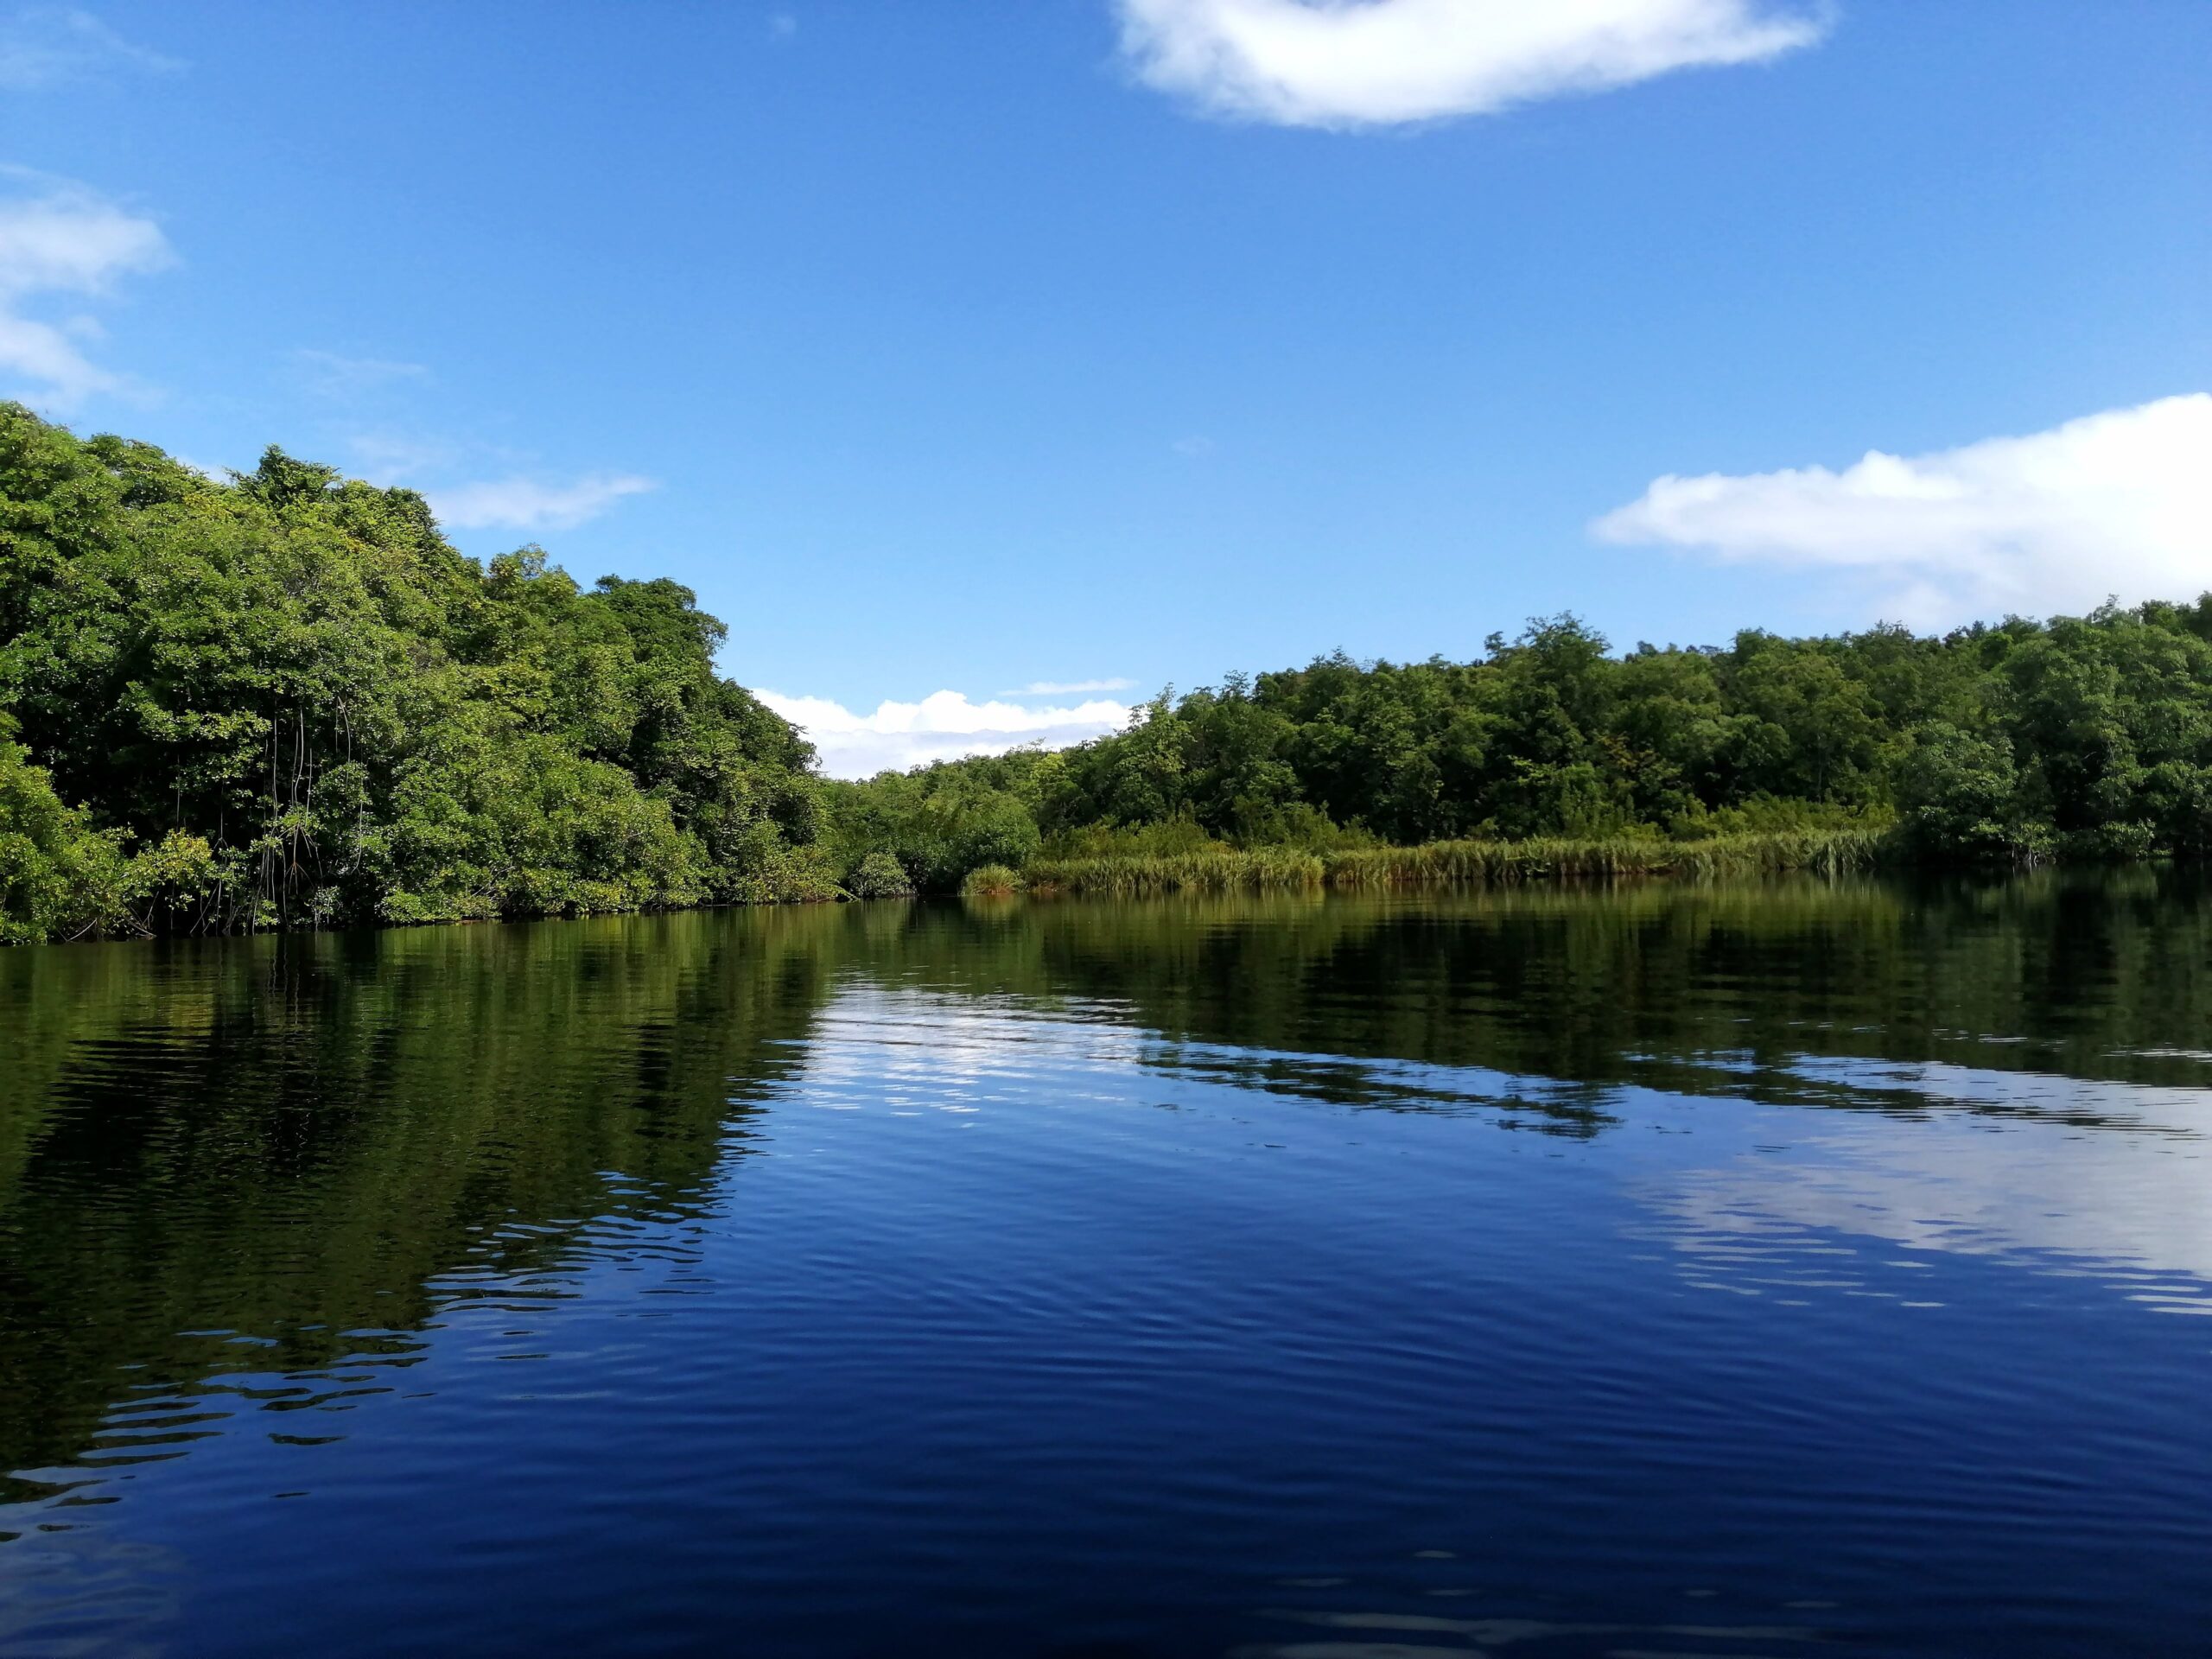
{"type": "Point", "coordinates": [967, 348]}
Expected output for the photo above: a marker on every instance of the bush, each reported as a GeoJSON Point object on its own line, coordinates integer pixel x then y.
{"type": "Point", "coordinates": [879, 876]}
{"type": "Point", "coordinates": [59, 878]}
{"type": "Point", "coordinates": [1962, 800]}
{"type": "Point", "coordinates": [991, 881]}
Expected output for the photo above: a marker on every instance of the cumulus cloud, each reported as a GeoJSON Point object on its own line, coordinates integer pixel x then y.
{"type": "Point", "coordinates": [59, 240]}
{"type": "Point", "coordinates": [49, 46]}
{"type": "Point", "coordinates": [2119, 503]}
{"type": "Point", "coordinates": [1353, 63]}
{"type": "Point", "coordinates": [528, 504]}
{"type": "Point", "coordinates": [943, 726]}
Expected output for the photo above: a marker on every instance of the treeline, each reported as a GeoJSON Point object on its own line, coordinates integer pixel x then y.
{"type": "Point", "coordinates": [2082, 738]}
{"type": "Point", "coordinates": [287, 700]}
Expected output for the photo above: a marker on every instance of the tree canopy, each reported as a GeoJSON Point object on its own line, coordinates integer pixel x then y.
{"type": "Point", "coordinates": [285, 699]}
{"type": "Point", "coordinates": [2086, 737]}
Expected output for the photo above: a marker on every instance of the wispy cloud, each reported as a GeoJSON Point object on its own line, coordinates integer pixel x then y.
{"type": "Point", "coordinates": [1325, 63]}
{"type": "Point", "coordinates": [1067, 688]}
{"type": "Point", "coordinates": [532, 504]}
{"type": "Point", "coordinates": [336, 376]}
{"type": "Point", "coordinates": [524, 500]}
{"type": "Point", "coordinates": [2117, 503]}
{"type": "Point", "coordinates": [59, 239]}
{"type": "Point", "coordinates": [386, 458]}
{"type": "Point", "coordinates": [49, 46]}
{"type": "Point", "coordinates": [943, 726]}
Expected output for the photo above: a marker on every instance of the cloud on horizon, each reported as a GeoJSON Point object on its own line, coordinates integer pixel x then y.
{"type": "Point", "coordinates": [59, 240]}
{"type": "Point", "coordinates": [532, 504]}
{"type": "Point", "coordinates": [943, 726]}
{"type": "Point", "coordinates": [2117, 504]}
{"type": "Point", "coordinates": [1325, 63]}
{"type": "Point", "coordinates": [1067, 688]}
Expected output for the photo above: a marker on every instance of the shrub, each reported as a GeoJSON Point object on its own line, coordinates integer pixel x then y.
{"type": "Point", "coordinates": [879, 876]}
{"type": "Point", "coordinates": [1961, 798]}
{"type": "Point", "coordinates": [991, 881]}
{"type": "Point", "coordinates": [59, 877]}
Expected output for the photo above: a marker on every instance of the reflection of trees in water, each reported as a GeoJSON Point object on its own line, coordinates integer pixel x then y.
{"type": "Point", "coordinates": [294, 1140]}
{"type": "Point", "coordinates": [1719, 989]}
{"type": "Point", "coordinates": [291, 1139]}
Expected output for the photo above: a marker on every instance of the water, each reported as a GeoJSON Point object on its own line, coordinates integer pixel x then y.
{"type": "Point", "coordinates": [1763, 1270]}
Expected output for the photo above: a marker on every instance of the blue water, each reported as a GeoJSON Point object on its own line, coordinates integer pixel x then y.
{"type": "Point", "coordinates": [1788, 1270]}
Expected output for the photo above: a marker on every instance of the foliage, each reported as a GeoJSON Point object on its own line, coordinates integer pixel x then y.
{"type": "Point", "coordinates": [287, 701]}
{"type": "Point", "coordinates": [309, 708]}
{"type": "Point", "coordinates": [991, 881]}
{"type": "Point", "coordinates": [59, 876]}
{"type": "Point", "coordinates": [2084, 737]}
{"type": "Point", "coordinates": [878, 876]}
{"type": "Point", "coordinates": [939, 822]}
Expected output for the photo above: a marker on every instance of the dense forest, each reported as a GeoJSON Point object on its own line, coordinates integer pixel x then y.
{"type": "Point", "coordinates": [286, 700]}
{"type": "Point", "coordinates": [2082, 738]}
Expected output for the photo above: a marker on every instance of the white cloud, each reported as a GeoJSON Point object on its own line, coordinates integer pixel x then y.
{"type": "Point", "coordinates": [532, 505]}
{"type": "Point", "coordinates": [47, 46]}
{"type": "Point", "coordinates": [62, 239]}
{"type": "Point", "coordinates": [2119, 503]}
{"type": "Point", "coordinates": [1067, 688]}
{"type": "Point", "coordinates": [941, 727]}
{"type": "Point", "coordinates": [332, 374]}
{"type": "Point", "coordinates": [1351, 63]}
{"type": "Point", "coordinates": [387, 458]}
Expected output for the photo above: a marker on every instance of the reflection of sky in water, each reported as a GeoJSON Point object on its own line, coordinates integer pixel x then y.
{"type": "Point", "coordinates": [2062, 1175]}
{"type": "Point", "coordinates": [1470, 1359]}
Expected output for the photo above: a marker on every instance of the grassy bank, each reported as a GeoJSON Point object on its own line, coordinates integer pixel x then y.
{"type": "Point", "coordinates": [1493, 863]}
{"type": "Point", "coordinates": [1446, 863]}
{"type": "Point", "coordinates": [1128, 875]}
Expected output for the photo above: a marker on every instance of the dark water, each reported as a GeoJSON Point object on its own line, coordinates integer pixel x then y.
{"type": "Point", "coordinates": [1769, 1270]}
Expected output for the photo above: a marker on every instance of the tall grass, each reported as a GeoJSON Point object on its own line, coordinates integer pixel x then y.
{"type": "Point", "coordinates": [1459, 863]}
{"type": "Point", "coordinates": [1826, 852]}
{"type": "Point", "coordinates": [1219, 869]}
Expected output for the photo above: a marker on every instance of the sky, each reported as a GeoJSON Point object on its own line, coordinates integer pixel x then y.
{"type": "Point", "coordinates": [989, 367]}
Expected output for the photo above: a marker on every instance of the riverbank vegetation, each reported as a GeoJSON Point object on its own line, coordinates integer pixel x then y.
{"type": "Point", "coordinates": [2079, 739]}
{"type": "Point", "coordinates": [286, 700]}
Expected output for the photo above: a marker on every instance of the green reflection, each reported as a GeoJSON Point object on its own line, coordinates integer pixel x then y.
{"type": "Point", "coordinates": [295, 1139]}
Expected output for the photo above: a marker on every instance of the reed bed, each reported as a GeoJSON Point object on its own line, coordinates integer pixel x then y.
{"type": "Point", "coordinates": [1219, 870]}
{"type": "Point", "coordinates": [1824, 852]}
{"type": "Point", "coordinates": [1458, 863]}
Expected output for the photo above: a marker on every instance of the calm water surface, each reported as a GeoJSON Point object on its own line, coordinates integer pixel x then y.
{"type": "Point", "coordinates": [1788, 1269]}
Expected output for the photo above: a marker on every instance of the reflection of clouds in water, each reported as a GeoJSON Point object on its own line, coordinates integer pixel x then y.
{"type": "Point", "coordinates": [912, 1050]}
{"type": "Point", "coordinates": [915, 1050]}
{"type": "Point", "coordinates": [2132, 1204]}
{"type": "Point", "coordinates": [2002, 1164]}
{"type": "Point", "coordinates": [2149, 1108]}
